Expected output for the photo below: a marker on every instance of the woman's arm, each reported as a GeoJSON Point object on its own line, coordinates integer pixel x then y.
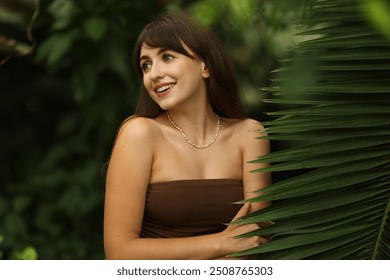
{"type": "Point", "coordinates": [253, 148]}
{"type": "Point", "coordinates": [127, 181]}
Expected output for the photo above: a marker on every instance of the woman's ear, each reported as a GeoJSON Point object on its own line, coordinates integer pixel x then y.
{"type": "Point", "coordinates": [205, 71]}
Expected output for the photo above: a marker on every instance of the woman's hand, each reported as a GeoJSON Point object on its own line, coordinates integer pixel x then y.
{"type": "Point", "coordinates": [230, 244]}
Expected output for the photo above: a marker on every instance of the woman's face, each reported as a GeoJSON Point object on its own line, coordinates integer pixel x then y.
{"type": "Point", "coordinates": [172, 78]}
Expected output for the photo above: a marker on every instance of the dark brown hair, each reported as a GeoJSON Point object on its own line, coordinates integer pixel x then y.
{"type": "Point", "coordinates": [169, 31]}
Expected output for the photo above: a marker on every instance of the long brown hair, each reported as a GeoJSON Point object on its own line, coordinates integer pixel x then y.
{"type": "Point", "coordinates": [169, 31]}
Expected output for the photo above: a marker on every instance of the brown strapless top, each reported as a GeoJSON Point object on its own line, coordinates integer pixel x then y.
{"type": "Point", "coordinates": [190, 207]}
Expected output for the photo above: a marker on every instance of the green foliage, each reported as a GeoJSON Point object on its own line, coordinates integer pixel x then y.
{"type": "Point", "coordinates": [338, 119]}
{"type": "Point", "coordinates": [28, 253]}
{"type": "Point", "coordinates": [378, 13]}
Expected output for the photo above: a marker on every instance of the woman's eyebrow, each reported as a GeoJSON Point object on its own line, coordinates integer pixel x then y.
{"type": "Point", "coordinates": [144, 57]}
{"type": "Point", "coordinates": [160, 51]}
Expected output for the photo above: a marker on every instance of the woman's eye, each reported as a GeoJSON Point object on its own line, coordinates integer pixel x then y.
{"type": "Point", "coordinates": [167, 57]}
{"type": "Point", "coordinates": [146, 66]}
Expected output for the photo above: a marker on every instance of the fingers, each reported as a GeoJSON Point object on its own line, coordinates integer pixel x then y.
{"type": "Point", "coordinates": [262, 240]}
{"type": "Point", "coordinates": [231, 242]}
{"type": "Point", "coordinates": [244, 210]}
{"type": "Point", "coordinates": [248, 243]}
{"type": "Point", "coordinates": [266, 223]}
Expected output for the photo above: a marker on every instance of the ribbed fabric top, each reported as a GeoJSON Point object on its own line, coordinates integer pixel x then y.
{"type": "Point", "coordinates": [190, 207]}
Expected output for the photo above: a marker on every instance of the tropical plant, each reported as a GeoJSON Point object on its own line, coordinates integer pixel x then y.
{"type": "Point", "coordinates": [335, 93]}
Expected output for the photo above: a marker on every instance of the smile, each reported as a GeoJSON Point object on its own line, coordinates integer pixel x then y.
{"type": "Point", "coordinates": [164, 88]}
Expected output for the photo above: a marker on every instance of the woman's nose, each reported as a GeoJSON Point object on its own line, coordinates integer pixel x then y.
{"type": "Point", "coordinates": [156, 73]}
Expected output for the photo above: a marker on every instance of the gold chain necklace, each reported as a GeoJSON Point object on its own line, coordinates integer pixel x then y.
{"type": "Point", "coordinates": [188, 140]}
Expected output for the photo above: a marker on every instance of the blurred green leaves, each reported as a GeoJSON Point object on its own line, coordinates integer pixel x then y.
{"type": "Point", "coordinates": [11, 17]}
{"type": "Point", "coordinates": [378, 13]}
{"type": "Point", "coordinates": [15, 15]}
{"type": "Point", "coordinates": [57, 46]}
{"type": "Point", "coordinates": [63, 12]}
{"type": "Point", "coordinates": [29, 253]}
{"type": "Point", "coordinates": [95, 28]}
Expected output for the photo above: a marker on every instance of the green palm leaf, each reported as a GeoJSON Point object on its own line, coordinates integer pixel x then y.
{"type": "Point", "coordinates": [337, 126]}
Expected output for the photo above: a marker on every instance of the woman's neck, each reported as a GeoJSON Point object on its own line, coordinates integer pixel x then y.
{"type": "Point", "coordinates": [199, 124]}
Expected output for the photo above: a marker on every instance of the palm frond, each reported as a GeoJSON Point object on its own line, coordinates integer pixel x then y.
{"type": "Point", "coordinates": [338, 122]}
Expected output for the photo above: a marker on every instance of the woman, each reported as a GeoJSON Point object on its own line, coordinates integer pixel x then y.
{"type": "Point", "coordinates": [178, 165]}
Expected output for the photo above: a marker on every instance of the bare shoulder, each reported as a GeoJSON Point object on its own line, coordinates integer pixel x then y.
{"type": "Point", "coordinates": [135, 140]}
{"type": "Point", "coordinates": [252, 125]}
{"type": "Point", "coordinates": [245, 126]}
{"type": "Point", "coordinates": [138, 129]}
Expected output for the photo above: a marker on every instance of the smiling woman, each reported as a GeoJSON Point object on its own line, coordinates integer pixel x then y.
{"type": "Point", "coordinates": [166, 71]}
{"type": "Point", "coordinates": [181, 161]}
{"type": "Point", "coordinates": [176, 32]}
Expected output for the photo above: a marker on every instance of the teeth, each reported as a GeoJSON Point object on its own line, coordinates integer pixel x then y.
{"type": "Point", "coordinates": [163, 88]}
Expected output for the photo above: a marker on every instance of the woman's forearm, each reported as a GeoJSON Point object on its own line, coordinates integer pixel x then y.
{"type": "Point", "coordinates": [204, 247]}
{"type": "Point", "coordinates": [186, 248]}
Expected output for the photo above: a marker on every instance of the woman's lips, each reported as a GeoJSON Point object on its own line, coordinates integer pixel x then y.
{"type": "Point", "coordinates": [165, 92]}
